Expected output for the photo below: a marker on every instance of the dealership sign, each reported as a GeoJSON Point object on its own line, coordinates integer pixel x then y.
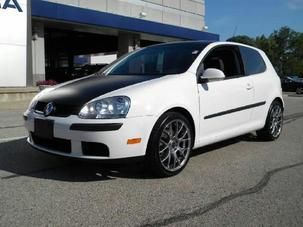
{"type": "Point", "coordinates": [13, 42]}
{"type": "Point", "coordinates": [13, 4]}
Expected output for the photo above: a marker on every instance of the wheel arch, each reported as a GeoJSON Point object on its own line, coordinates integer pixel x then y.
{"type": "Point", "coordinates": [265, 132]}
{"type": "Point", "coordinates": [279, 99]}
{"type": "Point", "coordinates": [186, 114]}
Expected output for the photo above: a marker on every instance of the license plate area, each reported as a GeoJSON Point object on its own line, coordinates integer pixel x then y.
{"type": "Point", "coordinates": [44, 128]}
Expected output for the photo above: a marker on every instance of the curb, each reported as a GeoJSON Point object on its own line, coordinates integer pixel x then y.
{"type": "Point", "coordinates": [17, 94]}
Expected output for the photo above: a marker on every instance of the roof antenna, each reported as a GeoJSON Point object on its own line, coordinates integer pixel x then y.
{"type": "Point", "coordinates": [235, 31]}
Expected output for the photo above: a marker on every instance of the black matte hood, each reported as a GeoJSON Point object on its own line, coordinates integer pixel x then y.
{"type": "Point", "coordinates": [71, 97]}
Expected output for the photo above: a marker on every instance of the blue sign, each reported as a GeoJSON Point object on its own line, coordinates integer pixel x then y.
{"type": "Point", "coordinates": [13, 4]}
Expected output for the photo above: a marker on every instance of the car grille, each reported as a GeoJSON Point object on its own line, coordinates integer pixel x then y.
{"type": "Point", "coordinates": [60, 110]}
{"type": "Point", "coordinates": [55, 144]}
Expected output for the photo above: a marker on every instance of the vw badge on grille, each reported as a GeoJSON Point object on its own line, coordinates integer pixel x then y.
{"type": "Point", "coordinates": [49, 108]}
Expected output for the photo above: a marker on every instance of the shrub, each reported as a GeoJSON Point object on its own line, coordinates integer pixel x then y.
{"type": "Point", "coordinates": [46, 82]}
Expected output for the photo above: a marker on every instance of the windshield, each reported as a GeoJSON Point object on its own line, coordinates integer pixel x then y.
{"type": "Point", "coordinates": [159, 60]}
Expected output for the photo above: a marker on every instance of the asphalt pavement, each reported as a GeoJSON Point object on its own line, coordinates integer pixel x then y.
{"type": "Point", "coordinates": [238, 182]}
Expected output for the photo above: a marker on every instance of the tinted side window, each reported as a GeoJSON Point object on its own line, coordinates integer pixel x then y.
{"type": "Point", "coordinates": [253, 62]}
{"type": "Point", "coordinates": [227, 59]}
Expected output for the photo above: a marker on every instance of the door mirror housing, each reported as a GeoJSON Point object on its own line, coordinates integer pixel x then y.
{"type": "Point", "coordinates": [212, 74]}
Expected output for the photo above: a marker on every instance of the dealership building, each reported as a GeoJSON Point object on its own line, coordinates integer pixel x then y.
{"type": "Point", "coordinates": [42, 40]}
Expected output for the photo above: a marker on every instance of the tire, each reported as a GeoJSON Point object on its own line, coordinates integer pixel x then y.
{"type": "Point", "coordinates": [299, 90]}
{"type": "Point", "coordinates": [170, 145]}
{"type": "Point", "coordinates": [274, 123]}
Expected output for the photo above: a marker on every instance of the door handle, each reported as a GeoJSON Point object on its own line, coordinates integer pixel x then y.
{"type": "Point", "coordinates": [249, 87]}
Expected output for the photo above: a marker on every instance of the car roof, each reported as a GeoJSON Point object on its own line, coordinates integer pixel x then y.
{"type": "Point", "coordinates": [203, 42]}
{"type": "Point", "coordinates": [206, 43]}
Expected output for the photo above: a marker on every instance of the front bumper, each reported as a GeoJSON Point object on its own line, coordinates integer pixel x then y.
{"type": "Point", "coordinates": [106, 139]}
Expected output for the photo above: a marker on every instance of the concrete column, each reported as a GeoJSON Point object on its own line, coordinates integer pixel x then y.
{"type": "Point", "coordinates": [29, 67]}
{"type": "Point", "coordinates": [127, 42]}
{"type": "Point", "coordinates": [38, 52]}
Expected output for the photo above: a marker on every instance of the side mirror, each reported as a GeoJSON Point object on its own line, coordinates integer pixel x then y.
{"type": "Point", "coordinates": [212, 74]}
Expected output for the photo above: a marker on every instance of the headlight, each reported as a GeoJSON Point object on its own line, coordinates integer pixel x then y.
{"type": "Point", "coordinates": [107, 108]}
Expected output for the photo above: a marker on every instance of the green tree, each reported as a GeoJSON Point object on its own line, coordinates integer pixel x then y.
{"type": "Point", "coordinates": [297, 55]}
{"type": "Point", "coordinates": [243, 39]}
{"type": "Point", "coordinates": [284, 47]}
{"type": "Point", "coordinates": [269, 46]}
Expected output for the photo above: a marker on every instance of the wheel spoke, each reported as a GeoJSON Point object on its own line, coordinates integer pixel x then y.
{"type": "Point", "coordinates": [169, 159]}
{"type": "Point", "coordinates": [177, 160]}
{"type": "Point", "coordinates": [165, 148]}
{"type": "Point", "coordinates": [182, 137]}
{"type": "Point", "coordinates": [274, 129]}
{"type": "Point", "coordinates": [171, 132]}
{"type": "Point", "coordinates": [163, 160]}
{"type": "Point", "coordinates": [166, 132]}
{"type": "Point", "coordinates": [183, 140]}
{"type": "Point", "coordinates": [163, 142]}
{"type": "Point", "coordinates": [276, 121]}
{"type": "Point", "coordinates": [182, 151]}
{"type": "Point", "coordinates": [180, 129]}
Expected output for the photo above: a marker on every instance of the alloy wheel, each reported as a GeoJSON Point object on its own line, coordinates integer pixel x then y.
{"type": "Point", "coordinates": [276, 121]}
{"type": "Point", "coordinates": [175, 145]}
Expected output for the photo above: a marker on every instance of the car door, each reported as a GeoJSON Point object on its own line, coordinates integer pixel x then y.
{"type": "Point", "coordinates": [224, 104]}
{"type": "Point", "coordinates": [255, 69]}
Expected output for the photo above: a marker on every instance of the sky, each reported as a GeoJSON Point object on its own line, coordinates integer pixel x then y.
{"type": "Point", "coordinates": [252, 17]}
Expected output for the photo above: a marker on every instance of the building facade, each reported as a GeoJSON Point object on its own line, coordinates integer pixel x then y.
{"type": "Point", "coordinates": [53, 39]}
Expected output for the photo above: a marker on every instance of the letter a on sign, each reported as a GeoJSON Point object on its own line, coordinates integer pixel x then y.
{"type": "Point", "coordinates": [13, 5]}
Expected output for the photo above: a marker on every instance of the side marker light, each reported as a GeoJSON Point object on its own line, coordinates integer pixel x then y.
{"type": "Point", "coordinates": [134, 141]}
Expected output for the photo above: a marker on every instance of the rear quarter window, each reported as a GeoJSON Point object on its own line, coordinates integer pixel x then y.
{"type": "Point", "coordinates": [252, 60]}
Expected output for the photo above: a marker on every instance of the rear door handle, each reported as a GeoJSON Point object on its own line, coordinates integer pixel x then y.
{"type": "Point", "coordinates": [249, 87]}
